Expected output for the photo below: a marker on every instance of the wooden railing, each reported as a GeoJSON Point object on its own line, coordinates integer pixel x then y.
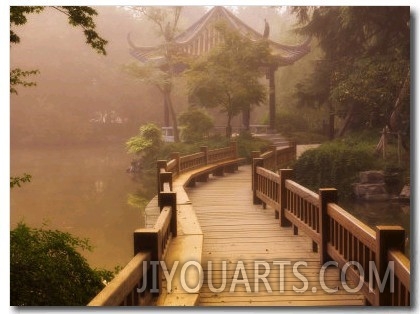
{"type": "Point", "coordinates": [338, 235]}
{"type": "Point", "coordinates": [133, 283]}
{"type": "Point", "coordinates": [277, 157]}
{"type": "Point", "coordinates": [137, 283]}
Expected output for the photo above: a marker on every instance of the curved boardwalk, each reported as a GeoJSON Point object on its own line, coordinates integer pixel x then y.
{"type": "Point", "coordinates": [245, 237]}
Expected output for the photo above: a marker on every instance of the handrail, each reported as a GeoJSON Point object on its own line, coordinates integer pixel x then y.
{"type": "Point", "coordinates": [277, 157]}
{"type": "Point", "coordinates": [122, 290]}
{"type": "Point", "coordinates": [336, 233]}
{"type": "Point", "coordinates": [402, 274]}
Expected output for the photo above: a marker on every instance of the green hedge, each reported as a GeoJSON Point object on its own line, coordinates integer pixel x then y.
{"type": "Point", "coordinates": [336, 164]}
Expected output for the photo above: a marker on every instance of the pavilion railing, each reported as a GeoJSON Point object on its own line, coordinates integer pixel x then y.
{"type": "Point", "coordinates": [337, 235]}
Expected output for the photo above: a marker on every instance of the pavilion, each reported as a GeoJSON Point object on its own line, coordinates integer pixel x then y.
{"type": "Point", "coordinates": [202, 36]}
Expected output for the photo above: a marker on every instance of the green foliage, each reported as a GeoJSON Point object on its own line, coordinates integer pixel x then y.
{"type": "Point", "coordinates": [366, 58]}
{"type": "Point", "coordinates": [16, 181]}
{"type": "Point", "coordinates": [147, 143]}
{"type": "Point", "coordinates": [195, 124]}
{"type": "Point", "coordinates": [305, 137]}
{"type": "Point", "coordinates": [77, 16]}
{"type": "Point", "coordinates": [17, 77]}
{"type": "Point", "coordinates": [290, 122]}
{"type": "Point", "coordinates": [247, 144]}
{"type": "Point", "coordinates": [229, 77]}
{"type": "Point", "coordinates": [149, 74]}
{"type": "Point", "coordinates": [337, 164]}
{"type": "Point", "coordinates": [18, 17]}
{"type": "Point", "coordinates": [47, 269]}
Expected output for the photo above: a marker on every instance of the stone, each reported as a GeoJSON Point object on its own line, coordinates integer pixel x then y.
{"type": "Point", "coordinates": [372, 176]}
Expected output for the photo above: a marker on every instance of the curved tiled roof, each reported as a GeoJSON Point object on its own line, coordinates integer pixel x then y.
{"type": "Point", "coordinates": [200, 37]}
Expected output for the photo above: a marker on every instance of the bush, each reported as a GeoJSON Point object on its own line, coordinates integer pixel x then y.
{"type": "Point", "coordinates": [247, 144]}
{"type": "Point", "coordinates": [287, 122]}
{"type": "Point", "coordinates": [47, 269]}
{"type": "Point", "coordinates": [195, 124]}
{"type": "Point", "coordinates": [336, 164]}
{"type": "Point", "coordinates": [146, 144]}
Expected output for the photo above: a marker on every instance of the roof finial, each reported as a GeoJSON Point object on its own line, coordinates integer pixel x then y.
{"type": "Point", "coordinates": [266, 29]}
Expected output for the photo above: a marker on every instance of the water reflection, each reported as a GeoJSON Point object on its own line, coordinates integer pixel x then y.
{"type": "Point", "coordinates": [85, 191]}
{"type": "Point", "coordinates": [382, 213]}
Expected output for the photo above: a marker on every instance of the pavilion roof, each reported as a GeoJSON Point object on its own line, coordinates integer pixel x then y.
{"type": "Point", "coordinates": [201, 36]}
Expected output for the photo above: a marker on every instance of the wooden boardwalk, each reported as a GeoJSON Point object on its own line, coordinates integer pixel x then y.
{"type": "Point", "coordinates": [236, 232]}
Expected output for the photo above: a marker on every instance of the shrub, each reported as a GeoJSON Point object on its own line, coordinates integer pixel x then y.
{"type": "Point", "coordinates": [336, 164]}
{"type": "Point", "coordinates": [47, 269]}
{"type": "Point", "coordinates": [195, 124]}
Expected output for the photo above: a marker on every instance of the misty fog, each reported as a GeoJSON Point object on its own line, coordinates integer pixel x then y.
{"type": "Point", "coordinates": [69, 131]}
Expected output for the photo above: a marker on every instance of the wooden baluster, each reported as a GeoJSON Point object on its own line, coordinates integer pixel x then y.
{"type": "Point", "coordinates": [205, 150]}
{"type": "Point", "coordinates": [234, 147]}
{"type": "Point", "coordinates": [326, 196]}
{"type": "Point", "coordinates": [254, 154]}
{"type": "Point", "coordinates": [285, 174]}
{"type": "Point", "coordinates": [256, 162]}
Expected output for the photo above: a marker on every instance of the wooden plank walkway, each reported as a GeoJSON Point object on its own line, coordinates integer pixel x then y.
{"type": "Point", "coordinates": [238, 233]}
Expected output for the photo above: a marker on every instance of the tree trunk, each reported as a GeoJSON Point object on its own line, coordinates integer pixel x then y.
{"type": "Point", "coordinates": [168, 100]}
{"type": "Point", "coordinates": [246, 117]}
{"type": "Point", "coordinates": [347, 121]}
{"type": "Point", "coordinates": [394, 118]}
{"type": "Point", "coordinates": [272, 98]}
{"type": "Point", "coordinates": [229, 127]}
{"type": "Point", "coordinates": [165, 113]}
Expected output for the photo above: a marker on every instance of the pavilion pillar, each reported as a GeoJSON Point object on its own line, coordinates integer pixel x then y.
{"type": "Point", "coordinates": [165, 113]}
{"type": "Point", "coordinates": [272, 98]}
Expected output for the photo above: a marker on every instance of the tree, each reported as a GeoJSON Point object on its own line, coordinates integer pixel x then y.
{"type": "Point", "coordinates": [228, 77]}
{"type": "Point", "coordinates": [195, 124]}
{"type": "Point", "coordinates": [78, 16]}
{"type": "Point", "coordinates": [147, 143]}
{"type": "Point", "coordinates": [162, 71]}
{"type": "Point", "coordinates": [46, 268]}
{"type": "Point", "coordinates": [366, 59]}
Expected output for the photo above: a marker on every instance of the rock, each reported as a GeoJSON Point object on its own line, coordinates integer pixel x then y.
{"type": "Point", "coordinates": [371, 191]}
{"type": "Point", "coordinates": [372, 176]}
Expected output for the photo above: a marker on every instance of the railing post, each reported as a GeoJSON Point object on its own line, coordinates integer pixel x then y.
{"type": "Point", "coordinates": [234, 146]}
{"type": "Point", "coordinates": [387, 237]}
{"type": "Point", "coordinates": [205, 150]}
{"type": "Point", "coordinates": [326, 195]}
{"type": "Point", "coordinates": [294, 152]}
{"type": "Point", "coordinates": [256, 162]}
{"type": "Point", "coordinates": [150, 240]}
{"type": "Point", "coordinates": [169, 199]}
{"type": "Point", "coordinates": [285, 174]}
{"type": "Point", "coordinates": [160, 164]}
{"type": "Point", "coordinates": [273, 148]}
{"type": "Point", "coordinates": [254, 154]}
{"type": "Point", "coordinates": [177, 157]}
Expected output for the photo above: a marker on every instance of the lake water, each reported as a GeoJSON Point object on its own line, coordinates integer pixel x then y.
{"type": "Point", "coordinates": [387, 213]}
{"type": "Point", "coordinates": [87, 192]}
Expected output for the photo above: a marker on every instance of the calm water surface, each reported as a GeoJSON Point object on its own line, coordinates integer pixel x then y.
{"type": "Point", "coordinates": [387, 213]}
{"type": "Point", "coordinates": [85, 191]}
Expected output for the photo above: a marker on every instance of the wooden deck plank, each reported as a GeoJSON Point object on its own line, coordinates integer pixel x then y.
{"type": "Point", "coordinates": [237, 231]}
